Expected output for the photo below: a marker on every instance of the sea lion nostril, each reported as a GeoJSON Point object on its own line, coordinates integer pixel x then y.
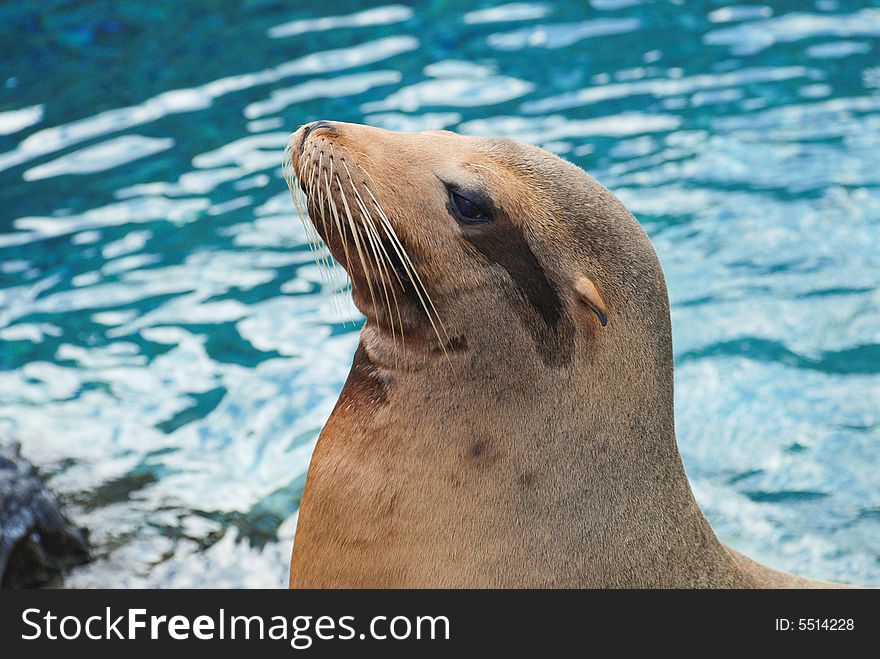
{"type": "Point", "coordinates": [314, 126]}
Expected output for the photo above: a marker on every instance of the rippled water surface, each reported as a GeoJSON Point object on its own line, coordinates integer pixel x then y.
{"type": "Point", "coordinates": [169, 351]}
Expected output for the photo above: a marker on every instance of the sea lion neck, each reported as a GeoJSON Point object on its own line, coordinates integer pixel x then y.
{"type": "Point", "coordinates": [562, 481]}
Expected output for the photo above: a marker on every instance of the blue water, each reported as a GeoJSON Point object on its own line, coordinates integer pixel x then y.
{"type": "Point", "coordinates": [170, 351]}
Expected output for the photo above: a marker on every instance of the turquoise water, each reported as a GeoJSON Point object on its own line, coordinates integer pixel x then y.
{"type": "Point", "coordinates": [169, 351]}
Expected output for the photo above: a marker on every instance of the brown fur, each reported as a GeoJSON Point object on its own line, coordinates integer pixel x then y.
{"type": "Point", "coordinates": [489, 463]}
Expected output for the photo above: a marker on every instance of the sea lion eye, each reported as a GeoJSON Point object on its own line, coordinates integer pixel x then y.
{"type": "Point", "coordinates": [465, 210]}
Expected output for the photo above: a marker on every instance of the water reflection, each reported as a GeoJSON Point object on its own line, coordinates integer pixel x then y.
{"type": "Point", "coordinates": [170, 349]}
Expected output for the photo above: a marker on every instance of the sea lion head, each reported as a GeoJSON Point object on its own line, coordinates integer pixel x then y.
{"type": "Point", "coordinates": [481, 253]}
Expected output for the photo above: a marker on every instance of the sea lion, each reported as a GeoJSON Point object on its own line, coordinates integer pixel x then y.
{"type": "Point", "coordinates": [508, 417]}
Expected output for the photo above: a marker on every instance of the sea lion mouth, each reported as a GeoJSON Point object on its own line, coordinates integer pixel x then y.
{"type": "Point", "coordinates": [338, 207]}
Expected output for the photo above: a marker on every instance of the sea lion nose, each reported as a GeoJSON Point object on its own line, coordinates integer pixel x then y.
{"type": "Point", "coordinates": [316, 125]}
{"type": "Point", "coordinates": [306, 129]}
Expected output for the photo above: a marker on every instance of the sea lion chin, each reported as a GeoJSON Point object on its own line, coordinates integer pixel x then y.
{"type": "Point", "coordinates": [508, 418]}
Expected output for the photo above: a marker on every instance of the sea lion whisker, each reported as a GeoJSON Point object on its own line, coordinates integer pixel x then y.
{"type": "Point", "coordinates": [328, 230]}
{"type": "Point", "coordinates": [376, 260]}
{"type": "Point", "coordinates": [369, 230]}
{"type": "Point", "coordinates": [311, 196]}
{"type": "Point", "coordinates": [368, 218]}
{"type": "Point", "coordinates": [383, 263]}
{"type": "Point", "coordinates": [341, 224]}
{"type": "Point", "coordinates": [395, 241]}
{"type": "Point", "coordinates": [323, 208]}
{"type": "Point", "coordinates": [334, 212]}
{"type": "Point", "coordinates": [317, 197]}
{"type": "Point", "coordinates": [397, 248]}
{"type": "Point", "coordinates": [401, 253]}
{"type": "Point", "coordinates": [301, 201]}
{"type": "Point", "coordinates": [296, 192]}
{"type": "Point", "coordinates": [411, 271]}
{"type": "Point", "coordinates": [318, 167]}
{"type": "Point", "coordinates": [364, 262]}
{"type": "Point", "coordinates": [408, 266]}
{"type": "Point", "coordinates": [295, 187]}
{"type": "Point", "coordinates": [287, 169]}
{"type": "Point", "coordinates": [386, 265]}
{"type": "Point", "coordinates": [382, 272]}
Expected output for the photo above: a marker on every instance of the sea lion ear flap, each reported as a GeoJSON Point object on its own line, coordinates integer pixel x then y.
{"type": "Point", "coordinates": [589, 295]}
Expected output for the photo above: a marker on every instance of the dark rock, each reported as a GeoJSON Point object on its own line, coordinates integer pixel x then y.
{"type": "Point", "coordinates": [37, 541]}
